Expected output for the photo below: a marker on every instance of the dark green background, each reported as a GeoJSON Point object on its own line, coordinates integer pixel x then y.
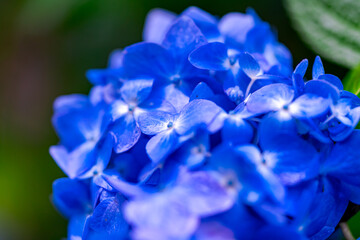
{"type": "Point", "coordinates": [45, 48]}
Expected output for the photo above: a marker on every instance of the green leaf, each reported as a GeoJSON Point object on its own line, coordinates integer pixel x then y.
{"type": "Point", "coordinates": [354, 224]}
{"type": "Point", "coordinates": [352, 81]}
{"type": "Point", "coordinates": [330, 27]}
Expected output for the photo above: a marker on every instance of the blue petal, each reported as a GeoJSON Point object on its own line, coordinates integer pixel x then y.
{"type": "Point", "coordinates": [301, 68]}
{"type": "Point", "coordinates": [197, 112]}
{"type": "Point", "coordinates": [126, 133]}
{"type": "Point", "coordinates": [81, 160]}
{"type": "Point", "coordinates": [332, 190]}
{"type": "Point", "coordinates": [152, 123]}
{"type": "Point", "coordinates": [102, 194]}
{"type": "Point", "coordinates": [343, 162]}
{"type": "Point", "coordinates": [309, 106]}
{"type": "Point", "coordinates": [148, 60]}
{"type": "Point", "coordinates": [70, 102]}
{"type": "Point", "coordinates": [257, 177]}
{"type": "Point", "coordinates": [115, 59]}
{"type": "Point", "coordinates": [276, 124]}
{"type": "Point", "coordinates": [241, 169]}
{"type": "Point", "coordinates": [290, 157]}
{"type": "Point", "coordinates": [282, 59]}
{"type": "Point", "coordinates": [101, 156]}
{"type": "Point", "coordinates": [318, 68]}
{"type": "Point", "coordinates": [183, 37]}
{"type": "Point", "coordinates": [158, 22]}
{"type": "Point", "coordinates": [324, 233]}
{"type": "Point", "coordinates": [235, 26]}
{"type": "Point", "coordinates": [273, 57]}
{"type": "Point", "coordinates": [76, 125]}
{"type": "Point", "coordinates": [242, 111]}
{"type": "Point", "coordinates": [136, 91]}
{"type": "Point", "coordinates": [104, 76]}
{"type": "Point", "coordinates": [202, 91]}
{"type": "Point", "coordinates": [71, 197]}
{"type": "Point", "coordinates": [205, 21]}
{"type": "Point", "coordinates": [266, 79]}
{"type": "Point", "coordinates": [237, 131]}
{"type": "Point", "coordinates": [76, 227]}
{"type": "Point", "coordinates": [249, 65]}
{"type": "Point", "coordinates": [108, 219]}
{"type": "Point", "coordinates": [300, 193]}
{"type": "Point", "coordinates": [251, 12]}
{"type": "Point", "coordinates": [60, 156]}
{"type": "Point", "coordinates": [323, 89]}
{"type": "Point", "coordinates": [154, 104]}
{"type": "Point", "coordinates": [75, 120]}
{"type": "Point", "coordinates": [212, 56]}
{"type": "Point", "coordinates": [102, 94]}
{"type": "Point", "coordinates": [119, 109]}
{"type": "Point", "coordinates": [239, 213]}
{"type": "Point", "coordinates": [313, 127]}
{"type": "Point", "coordinates": [99, 182]}
{"type": "Point", "coordinates": [224, 102]}
{"type": "Point", "coordinates": [334, 80]}
{"type": "Point", "coordinates": [194, 152]}
{"type": "Point", "coordinates": [279, 233]}
{"type": "Point", "coordinates": [325, 213]}
{"type": "Point", "coordinates": [76, 162]}
{"type": "Point", "coordinates": [346, 110]}
{"type": "Point", "coordinates": [259, 37]}
{"type": "Point", "coordinates": [217, 123]}
{"type": "Point", "coordinates": [340, 131]}
{"type": "Point", "coordinates": [341, 125]}
{"type": "Point", "coordinates": [203, 194]}
{"type": "Point", "coordinates": [352, 192]}
{"type": "Point", "coordinates": [213, 231]}
{"type": "Point", "coordinates": [177, 96]}
{"type": "Point", "coordinates": [160, 216]}
{"type": "Point", "coordinates": [120, 185]}
{"type": "Point", "coordinates": [270, 98]}
{"type": "Point", "coordinates": [130, 164]}
{"type": "Point", "coordinates": [156, 175]}
{"type": "Point", "coordinates": [298, 84]}
{"type": "Point", "coordinates": [162, 144]}
{"type": "Point", "coordinates": [89, 234]}
{"type": "Point", "coordinates": [354, 100]}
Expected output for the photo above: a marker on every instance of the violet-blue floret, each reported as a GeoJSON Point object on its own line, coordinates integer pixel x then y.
{"type": "Point", "coordinates": [204, 131]}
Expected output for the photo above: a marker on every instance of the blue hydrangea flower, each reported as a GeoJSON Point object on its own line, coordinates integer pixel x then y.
{"type": "Point", "coordinates": [73, 199]}
{"type": "Point", "coordinates": [171, 130]}
{"type": "Point", "coordinates": [85, 145]}
{"type": "Point", "coordinates": [107, 220]}
{"type": "Point", "coordinates": [240, 72]}
{"type": "Point", "coordinates": [168, 63]}
{"type": "Point", "coordinates": [204, 131]}
{"type": "Point", "coordinates": [175, 212]}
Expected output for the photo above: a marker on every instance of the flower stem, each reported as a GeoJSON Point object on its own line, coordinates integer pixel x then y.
{"type": "Point", "coordinates": [346, 231]}
{"type": "Point", "coordinates": [249, 87]}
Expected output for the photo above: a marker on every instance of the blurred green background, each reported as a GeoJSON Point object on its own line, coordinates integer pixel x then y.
{"type": "Point", "coordinates": [45, 48]}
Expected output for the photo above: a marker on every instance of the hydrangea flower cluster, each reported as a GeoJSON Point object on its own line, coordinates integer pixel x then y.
{"type": "Point", "coordinates": [204, 131]}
